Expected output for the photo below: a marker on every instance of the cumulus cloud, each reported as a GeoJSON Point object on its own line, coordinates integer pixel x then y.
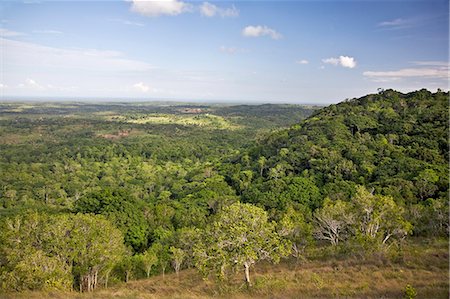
{"type": "Point", "coordinates": [344, 61]}
{"type": "Point", "coordinates": [256, 31]}
{"type": "Point", "coordinates": [151, 8]}
{"type": "Point", "coordinates": [303, 61]}
{"type": "Point", "coordinates": [141, 87]}
{"type": "Point", "coordinates": [210, 10]}
{"type": "Point", "coordinates": [9, 33]}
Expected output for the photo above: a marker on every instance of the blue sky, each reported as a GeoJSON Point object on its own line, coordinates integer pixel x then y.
{"type": "Point", "coordinates": [247, 51]}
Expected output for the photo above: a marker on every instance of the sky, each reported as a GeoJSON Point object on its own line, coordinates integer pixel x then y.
{"type": "Point", "coordinates": [314, 52]}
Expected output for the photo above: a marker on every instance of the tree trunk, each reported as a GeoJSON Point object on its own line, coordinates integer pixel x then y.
{"type": "Point", "coordinates": [247, 274]}
{"type": "Point", "coordinates": [106, 279]}
{"type": "Point", "coordinates": [95, 279]}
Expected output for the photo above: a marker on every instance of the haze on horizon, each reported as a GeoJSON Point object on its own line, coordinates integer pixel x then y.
{"type": "Point", "coordinates": [312, 52]}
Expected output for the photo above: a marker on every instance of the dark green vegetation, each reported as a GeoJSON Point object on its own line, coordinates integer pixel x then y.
{"type": "Point", "coordinates": [159, 188]}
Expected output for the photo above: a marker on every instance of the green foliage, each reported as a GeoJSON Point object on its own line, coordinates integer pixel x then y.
{"type": "Point", "coordinates": [395, 143]}
{"type": "Point", "coordinates": [128, 264]}
{"type": "Point", "coordinates": [162, 252]}
{"type": "Point", "coordinates": [240, 236]}
{"type": "Point", "coordinates": [410, 292]}
{"type": "Point", "coordinates": [430, 218]}
{"type": "Point", "coordinates": [36, 271]}
{"type": "Point", "coordinates": [168, 182]}
{"type": "Point", "coordinates": [123, 210]}
{"type": "Point", "coordinates": [378, 218]}
{"type": "Point", "coordinates": [148, 259]}
{"type": "Point", "coordinates": [295, 225]}
{"type": "Point", "coordinates": [56, 252]}
{"type": "Point", "coordinates": [334, 221]}
{"type": "Point", "coordinates": [178, 256]}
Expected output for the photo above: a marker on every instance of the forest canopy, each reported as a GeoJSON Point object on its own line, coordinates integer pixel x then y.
{"type": "Point", "coordinates": [98, 191]}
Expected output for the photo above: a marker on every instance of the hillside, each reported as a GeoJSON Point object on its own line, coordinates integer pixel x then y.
{"type": "Point", "coordinates": [394, 144]}
{"type": "Point", "coordinates": [101, 195]}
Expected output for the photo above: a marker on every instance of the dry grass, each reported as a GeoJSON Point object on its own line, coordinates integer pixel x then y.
{"type": "Point", "coordinates": [424, 265]}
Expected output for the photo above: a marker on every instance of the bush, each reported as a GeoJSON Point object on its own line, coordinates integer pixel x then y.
{"type": "Point", "coordinates": [410, 292]}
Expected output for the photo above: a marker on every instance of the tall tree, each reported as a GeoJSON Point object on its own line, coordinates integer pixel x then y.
{"type": "Point", "coordinates": [379, 218]}
{"type": "Point", "coordinates": [333, 221]}
{"type": "Point", "coordinates": [239, 237]}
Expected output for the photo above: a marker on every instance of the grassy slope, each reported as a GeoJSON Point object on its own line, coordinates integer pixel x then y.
{"type": "Point", "coordinates": [422, 264]}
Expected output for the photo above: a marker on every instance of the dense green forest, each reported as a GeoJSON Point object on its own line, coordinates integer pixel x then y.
{"type": "Point", "coordinates": [95, 194]}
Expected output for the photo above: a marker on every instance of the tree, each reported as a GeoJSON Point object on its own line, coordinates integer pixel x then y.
{"type": "Point", "coordinates": [295, 227]}
{"type": "Point", "coordinates": [37, 271]}
{"type": "Point", "coordinates": [378, 217]}
{"type": "Point", "coordinates": [148, 260]}
{"type": "Point", "coordinates": [333, 221]}
{"type": "Point", "coordinates": [426, 183]}
{"type": "Point", "coordinates": [128, 264]}
{"type": "Point", "coordinates": [262, 164]}
{"type": "Point", "coordinates": [26, 265]}
{"type": "Point", "coordinates": [177, 258]}
{"type": "Point", "coordinates": [162, 252]}
{"type": "Point", "coordinates": [187, 238]}
{"type": "Point", "coordinates": [240, 236]}
{"type": "Point", "coordinates": [121, 209]}
{"type": "Point", "coordinates": [89, 242]}
{"type": "Point", "coordinates": [56, 252]}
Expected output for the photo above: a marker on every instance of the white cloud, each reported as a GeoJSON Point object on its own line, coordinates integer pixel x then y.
{"type": "Point", "coordinates": [3, 86]}
{"type": "Point", "coordinates": [31, 84]}
{"type": "Point", "coordinates": [232, 50]}
{"type": "Point", "coordinates": [8, 33]}
{"type": "Point", "coordinates": [229, 50]}
{"type": "Point", "coordinates": [210, 10]}
{"type": "Point", "coordinates": [152, 8]}
{"type": "Point", "coordinates": [141, 87]}
{"type": "Point", "coordinates": [347, 61]}
{"type": "Point", "coordinates": [344, 61]}
{"type": "Point", "coordinates": [419, 72]}
{"type": "Point", "coordinates": [21, 55]}
{"type": "Point", "coordinates": [256, 31]}
{"type": "Point", "coordinates": [398, 23]}
{"type": "Point", "coordinates": [432, 63]}
{"type": "Point", "coordinates": [303, 61]}
{"type": "Point", "coordinates": [333, 61]}
{"type": "Point", "coordinates": [127, 22]}
{"type": "Point", "coordinates": [47, 31]}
